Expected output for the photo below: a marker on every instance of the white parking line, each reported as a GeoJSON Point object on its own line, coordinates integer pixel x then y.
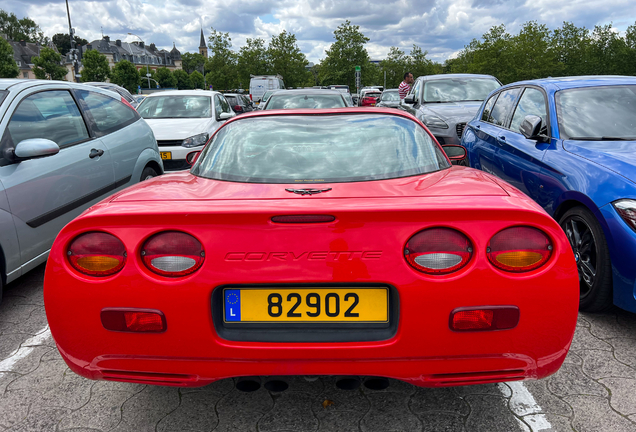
{"type": "Point", "coordinates": [25, 349]}
{"type": "Point", "coordinates": [522, 403]}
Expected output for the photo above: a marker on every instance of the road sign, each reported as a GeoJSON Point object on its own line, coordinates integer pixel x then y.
{"type": "Point", "coordinates": [357, 68]}
{"type": "Point", "coordinates": [148, 75]}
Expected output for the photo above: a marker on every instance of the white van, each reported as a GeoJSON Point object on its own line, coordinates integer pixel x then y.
{"type": "Point", "coordinates": [259, 84]}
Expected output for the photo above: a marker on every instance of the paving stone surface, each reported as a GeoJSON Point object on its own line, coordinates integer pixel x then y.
{"type": "Point", "coordinates": [594, 391]}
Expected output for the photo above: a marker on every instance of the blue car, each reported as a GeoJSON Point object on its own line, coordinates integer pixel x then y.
{"type": "Point", "coordinates": [570, 144]}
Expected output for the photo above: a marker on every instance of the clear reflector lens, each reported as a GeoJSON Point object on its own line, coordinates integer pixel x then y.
{"type": "Point", "coordinates": [438, 261]}
{"type": "Point", "coordinates": [173, 263]}
{"type": "Point", "coordinates": [438, 251]}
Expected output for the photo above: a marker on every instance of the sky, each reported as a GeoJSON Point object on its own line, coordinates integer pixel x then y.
{"type": "Point", "coordinates": [440, 27]}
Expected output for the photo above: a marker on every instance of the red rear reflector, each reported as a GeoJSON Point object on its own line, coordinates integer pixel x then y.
{"type": "Point", "coordinates": [438, 251]}
{"type": "Point", "coordinates": [133, 320]}
{"type": "Point", "coordinates": [96, 254]}
{"type": "Point", "coordinates": [303, 219]}
{"type": "Point", "coordinates": [485, 318]}
{"type": "Point", "coordinates": [519, 249]}
{"type": "Point", "coordinates": [172, 254]}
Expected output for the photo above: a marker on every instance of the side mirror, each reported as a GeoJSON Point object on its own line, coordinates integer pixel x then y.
{"type": "Point", "coordinates": [409, 99]}
{"type": "Point", "coordinates": [35, 148]}
{"type": "Point", "coordinates": [531, 127]}
{"type": "Point", "coordinates": [455, 152]}
{"type": "Point", "coordinates": [192, 157]}
{"type": "Point", "coordinates": [224, 116]}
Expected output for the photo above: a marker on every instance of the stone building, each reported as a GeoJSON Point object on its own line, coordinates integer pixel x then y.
{"type": "Point", "coordinates": [23, 52]}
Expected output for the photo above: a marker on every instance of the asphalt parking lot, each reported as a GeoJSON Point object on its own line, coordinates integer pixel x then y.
{"type": "Point", "coordinates": [595, 390]}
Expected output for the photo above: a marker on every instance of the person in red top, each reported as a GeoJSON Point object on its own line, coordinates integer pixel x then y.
{"type": "Point", "coordinates": [405, 85]}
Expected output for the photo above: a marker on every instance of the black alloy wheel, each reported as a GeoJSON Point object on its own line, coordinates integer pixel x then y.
{"type": "Point", "coordinates": [592, 258]}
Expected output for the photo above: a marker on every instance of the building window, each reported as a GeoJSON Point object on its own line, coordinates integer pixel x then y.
{"type": "Point", "coordinates": [25, 75]}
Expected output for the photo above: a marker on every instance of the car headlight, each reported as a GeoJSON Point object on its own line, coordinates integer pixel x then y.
{"type": "Point", "coordinates": [433, 121]}
{"type": "Point", "coordinates": [626, 208]}
{"type": "Point", "coordinates": [195, 141]}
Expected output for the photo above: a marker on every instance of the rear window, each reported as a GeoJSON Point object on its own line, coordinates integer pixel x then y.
{"type": "Point", "coordinates": [299, 101]}
{"type": "Point", "coordinates": [319, 149]}
{"type": "Point", "coordinates": [458, 89]}
{"type": "Point", "coordinates": [156, 107]}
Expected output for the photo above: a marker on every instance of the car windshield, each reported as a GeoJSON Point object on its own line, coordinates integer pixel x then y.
{"type": "Point", "coordinates": [231, 100]}
{"type": "Point", "coordinates": [267, 94]}
{"type": "Point", "coordinates": [319, 149]}
{"type": "Point", "coordinates": [176, 107]}
{"type": "Point", "coordinates": [390, 96]}
{"type": "Point", "coordinates": [604, 113]}
{"type": "Point", "coordinates": [299, 101]}
{"type": "Point", "coordinates": [458, 89]}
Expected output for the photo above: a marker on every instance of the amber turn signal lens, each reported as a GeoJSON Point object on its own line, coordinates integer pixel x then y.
{"type": "Point", "coordinates": [97, 254]}
{"type": "Point", "coordinates": [519, 249]}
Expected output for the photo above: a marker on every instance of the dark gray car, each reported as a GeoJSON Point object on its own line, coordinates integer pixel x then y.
{"type": "Point", "coordinates": [390, 99]}
{"type": "Point", "coordinates": [445, 103]}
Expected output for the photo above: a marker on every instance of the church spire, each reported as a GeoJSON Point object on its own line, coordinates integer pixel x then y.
{"type": "Point", "coordinates": [203, 48]}
{"type": "Point", "coordinates": [202, 43]}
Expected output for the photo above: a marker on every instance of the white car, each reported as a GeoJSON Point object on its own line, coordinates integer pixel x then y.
{"type": "Point", "coordinates": [183, 121]}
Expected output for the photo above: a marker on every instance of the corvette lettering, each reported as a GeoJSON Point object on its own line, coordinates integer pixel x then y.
{"type": "Point", "coordinates": [303, 256]}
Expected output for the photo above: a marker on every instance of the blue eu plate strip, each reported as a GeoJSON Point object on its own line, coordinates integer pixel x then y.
{"type": "Point", "coordinates": [232, 305]}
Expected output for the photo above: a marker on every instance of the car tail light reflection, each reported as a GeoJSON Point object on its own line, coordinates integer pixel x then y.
{"type": "Point", "coordinates": [172, 254]}
{"type": "Point", "coordinates": [133, 320]}
{"type": "Point", "coordinates": [438, 251]}
{"type": "Point", "coordinates": [97, 254]}
{"type": "Point", "coordinates": [519, 249]}
{"type": "Point", "coordinates": [484, 318]}
{"type": "Point", "coordinates": [127, 103]}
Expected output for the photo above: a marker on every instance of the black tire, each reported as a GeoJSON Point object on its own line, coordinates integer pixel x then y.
{"type": "Point", "coordinates": [592, 258]}
{"type": "Point", "coordinates": [148, 173]}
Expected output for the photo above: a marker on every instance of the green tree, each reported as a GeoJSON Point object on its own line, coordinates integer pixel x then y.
{"type": "Point", "coordinates": [21, 29]}
{"type": "Point", "coordinates": [347, 52]}
{"type": "Point", "coordinates": [48, 65]}
{"type": "Point", "coordinates": [286, 59]}
{"type": "Point", "coordinates": [63, 42]}
{"type": "Point", "coordinates": [221, 67]}
{"type": "Point", "coordinates": [252, 60]}
{"type": "Point", "coordinates": [165, 78]}
{"type": "Point", "coordinates": [125, 74]}
{"type": "Point", "coordinates": [395, 66]}
{"type": "Point", "coordinates": [531, 54]}
{"type": "Point", "coordinates": [95, 67]}
{"type": "Point", "coordinates": [571, 47]}
{"type": "Point", "coordinates": [492, 55]}
{"type": "Point", "coordinates": [197, 79]}
{"type": "Point", "coordinates": [183, 79]}
{"type": "Point", "coordinates": [419, 65]}
{"type": "Point", "coordinates": [191, 62]}
{"type": "Point", "coordinates": [607, 51]}
{"type": "Point", "coordinates": [8, 67]}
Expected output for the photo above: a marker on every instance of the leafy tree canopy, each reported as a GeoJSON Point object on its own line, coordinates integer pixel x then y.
{"type": "Point", "coordinates": [347, 52]}
{"type": "Point", "coordinates": [252, 60]}
{"type": "Point", "coordinates": [183, 79]}
{"type": "Point", "coordinates": [62, 42]}
{"type": "Point", "coordinates": [21, 29]}
{"type": "Point", "coordinates": [8, 67]}
{"type": "Point", "coordinates": [191, 62]}
{"type": "Point", "coordinates": [95, 67]}
{"type": "Point", "coordinates": [165, 78]}
{"type": "Point", "coordinates": [48, 65]}
{"type": "Point", "coordinates": [197, 79]}
{"type": "Point", "coordinates": [221, 68]}
{"type": "Point", "coordinates": [125, 74]}
{"type": "Point", "coordinates": [286, 59]}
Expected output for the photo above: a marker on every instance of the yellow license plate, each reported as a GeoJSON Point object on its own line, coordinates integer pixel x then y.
{"type": "Point", "coordinates": [315, 305]}
{"type": "Point", "coordinates": [166, 155]}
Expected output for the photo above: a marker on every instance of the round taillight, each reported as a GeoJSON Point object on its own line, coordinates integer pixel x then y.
{"type": "Point", "coordinates": [438, 251]}
{"type": "Point", "coordinates": [519, 249]}
{"type": "Point", "coordinates": [97, 254]}
{"type": "Point", "coordinates": [172, 254]}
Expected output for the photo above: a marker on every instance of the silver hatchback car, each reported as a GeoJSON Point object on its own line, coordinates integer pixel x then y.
{"type": "Point", "coordinates": [63, 147]}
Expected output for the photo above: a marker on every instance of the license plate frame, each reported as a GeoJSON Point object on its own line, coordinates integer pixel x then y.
{"type": "Point", "coordinates": [167, 154]}
{"type": "Point", "coordinates": [291, 305]}
{"type": "Point", "coordinates": [304, 332]}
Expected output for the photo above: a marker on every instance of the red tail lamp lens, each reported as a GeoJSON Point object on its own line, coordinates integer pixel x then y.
{"type": "Point", "coordinates": [519, 249]}
{"type": "Point", "coordinates": [133, 320]}
{"type": "Point", "coordinates": [438, 251]}
{"type": "Point", "coordinates": [483, 319]}
{"type": "Point", "coordinates": [172, 254]}
{"type": "Point", "coordinates": [97, 254]}
{"type": "Point", "coordinates": [303, 219]}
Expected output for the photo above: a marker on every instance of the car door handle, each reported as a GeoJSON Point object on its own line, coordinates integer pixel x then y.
{"type": "Point", "coordinates": [501, 138]}
{"type": "Point", "coordinates": [95, 153]}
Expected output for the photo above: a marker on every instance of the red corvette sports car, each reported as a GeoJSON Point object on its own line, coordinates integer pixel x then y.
{"type": "Point", "coordinates": [315, 242]}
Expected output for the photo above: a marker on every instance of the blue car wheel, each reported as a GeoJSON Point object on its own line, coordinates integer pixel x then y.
{"type": "Point", "coordinates": [592, 258]}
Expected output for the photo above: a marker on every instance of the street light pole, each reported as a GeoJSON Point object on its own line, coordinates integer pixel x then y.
{"type": "Point", "coordinates": [72, 51]}
{"type": "Point", "coordinates": [147, 71]}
